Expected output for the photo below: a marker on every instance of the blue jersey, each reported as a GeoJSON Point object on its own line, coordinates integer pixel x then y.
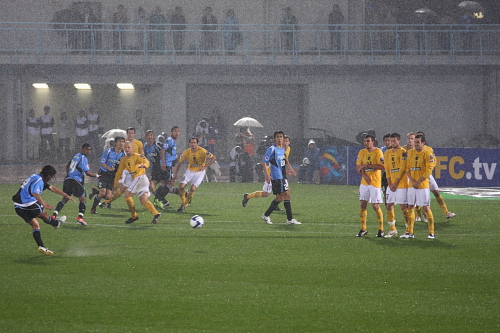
{"type": "Point", "coordinates": [111, 158]}
{"type": "Point", "coordinates": [78, 166]}
{"type": "Point", "coordinates": [275, 158]}
{"type": "Point", "coordinates": [152, 153]}
{"type": "Point", "coordinates": [34, 184]}
{"type": "Point", "coordinates": [170, 147]}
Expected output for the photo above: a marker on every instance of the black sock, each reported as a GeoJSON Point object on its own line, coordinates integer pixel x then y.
{"type": "Point", "coordinates": [96, 202]}
{"type": "Point", "coordinates": [82, 207]}
{"type": "Point", "coordinates": [37, 237]}
{"type": "Point", "coordinates": [288, 208]}
{"type": "Point", "coordinates": [59, 206]}
{"type": "Point", "coordinates": [272, 207]}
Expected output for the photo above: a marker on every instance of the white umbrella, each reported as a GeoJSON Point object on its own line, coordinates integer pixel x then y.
{"type": "Point", "coordinates": [425, 11]}
{"type": "Point", "coordinates": [249, 122]}
{"type": "Point", "coordinates": [472, 6]}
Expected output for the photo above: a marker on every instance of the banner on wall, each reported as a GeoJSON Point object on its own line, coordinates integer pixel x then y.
{"type": "Point", "coordinates": [455, 167]}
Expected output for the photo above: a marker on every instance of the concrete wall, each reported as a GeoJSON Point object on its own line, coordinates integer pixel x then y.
{"type": "Point", "coordinates": [452, 104]}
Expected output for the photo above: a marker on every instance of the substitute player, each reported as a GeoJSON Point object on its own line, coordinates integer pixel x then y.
{"type": "Point", "coordinates": [419, 167]}
{"type": "Point", "coordinates": [195, 172]}
{"type": "Point", "coordinates": [136, 166]}
{"type": "Point", "coordinates": [369, 165]}
{"type": "Point", "coordinates": [397, 182]}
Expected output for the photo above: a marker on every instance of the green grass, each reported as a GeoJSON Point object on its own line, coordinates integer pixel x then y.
{"type": "Point", "coordinates": [237, 274]}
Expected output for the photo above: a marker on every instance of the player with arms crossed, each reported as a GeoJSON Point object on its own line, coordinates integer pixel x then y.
{"type": "Point", "coordinates": [419, 167]}
{"type": "Point", "coordinates": [29, 204]}
{"type": "Point", "coordinates": [369, 165]}
{"type": "Point", "coordinates": [196, 169]}
{"type": "Point", "coordinates": [275, 158]}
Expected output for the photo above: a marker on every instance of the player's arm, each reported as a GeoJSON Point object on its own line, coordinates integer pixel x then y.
{"type": "Point", "coordinates": [163, 158]}
{"type": "Point", "coordinates": [39, 199]}
{"type": "Point", "coordinates": [290, 168]}
{"type": "Point", "coordinates": [91, 174]}
{"type": "Point", "coordinates": [58, 191]}
{"type": "Point", "coordinates": [119, 172]}
{"type": "Point", "coordinates": [178, 166]}
{"type": "Point", "coordinates": [212, 160]}
{"type": "Point", "coordinates": [143, 162]}
{"type": "Point", "coordinates": [267, 175]}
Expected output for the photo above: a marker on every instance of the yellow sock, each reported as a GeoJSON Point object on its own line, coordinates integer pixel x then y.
{"type": "Point", "coordinates": [131, 206]}
{"type": "Point", "coordinates": [418, 211]}
{"type": "Point", "coordinates": [380, 219]}
{"type": "Point", "coordinates": [114, 197]}
{"type": "Point", "coordinates": [390, 215]}
{"type": "Point", "coordinates": [411, 221]}
{"type": "Point", "coordinates": [362, 218]}
{"type": "Point", "coordinates": [256, 194]}
{"type": "Point", "coordinates": [441, 203]}
{"type": "Point", "coordinates": [430, 221]}
{"type": "Point", "coordinates": [182, 194]}
{"type": "Point", "coordinates": [151, 208]}
{"type": "Point", "coordinates": [392, 225]}
{"type": "Point", "coordinates": [190, 196]}
{"type": "Point", "coordinates": [405, 215]}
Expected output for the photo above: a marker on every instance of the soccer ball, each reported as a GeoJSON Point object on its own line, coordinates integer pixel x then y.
{"type": "Point", "coordinates": [197, 221]}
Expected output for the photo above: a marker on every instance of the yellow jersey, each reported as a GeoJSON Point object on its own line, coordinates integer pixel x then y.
{"type": "Point", "coordinates": [375, 157]}
{"type": "Point", "coordinates": [138, 147]}
{"type": "Point", "coordinates": [196, 159]}
{"type": "Point", "coordinates": [131, 164]}
{"type": "Point", "coordinates": [395, 166]}
{"type": "Point", "coordinates": [420, 164]}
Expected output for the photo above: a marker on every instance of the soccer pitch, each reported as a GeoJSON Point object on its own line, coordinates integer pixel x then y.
{"type": "Point", "coordinates": [237, 274]}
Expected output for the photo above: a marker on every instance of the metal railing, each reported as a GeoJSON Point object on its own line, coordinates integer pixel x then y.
{"type": "Point", "coordinates": [69, 40]}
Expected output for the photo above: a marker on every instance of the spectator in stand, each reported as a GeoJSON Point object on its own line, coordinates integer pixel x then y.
{"type": "Point", "coordinates": [141, 20]}
{"type": "Point", "coordinates": [335, 21]}
{"type": "Point", "coordinates": [231, 32]}
{"type": "Point", "coordinates": [289, 30]}
{"type": "Point", "coordinates": [120, 19]}
{"type": "Point", "coordinates": [157, 21]}
{"type": "Point", "coordinates": [209, 26]}
{"type": "Point", "coordinates": [178, 25]}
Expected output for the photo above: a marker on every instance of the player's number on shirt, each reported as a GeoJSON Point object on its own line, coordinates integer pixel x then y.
{"type": "Point", "coordinates": [72, 166]}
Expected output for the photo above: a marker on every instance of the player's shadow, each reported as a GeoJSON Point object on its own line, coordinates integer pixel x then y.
{"type": "Point", "coordinates": [35, 260]}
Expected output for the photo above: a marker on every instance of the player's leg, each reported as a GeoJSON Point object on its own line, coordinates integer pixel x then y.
{"type": "Point", "coordinates": [376, 200]}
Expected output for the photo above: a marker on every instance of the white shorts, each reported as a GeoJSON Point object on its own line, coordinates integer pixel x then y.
{"type": "Point", "coordinates": [432, 183]}
{"type": "Point", "coordinates": [195, 177]}
{"type": "Point", "coordinates": [419, 197]}
{"type": "Point", "coordinates": [399, 197]}
{"type": "Point", "coordinates": [126, 179]}
{"type": "Point", "coordinates": [267, 187]}
{"type": "Point", "coordinates": [139, 185]}
{"type": "Point", "coordinates": [370, 193]}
